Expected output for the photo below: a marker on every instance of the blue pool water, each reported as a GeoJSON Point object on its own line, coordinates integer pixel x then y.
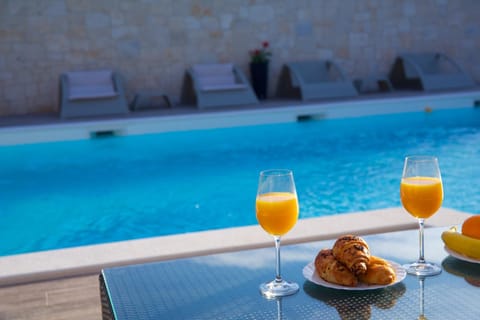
{"type": "Point", "coordinates": [64, 194]}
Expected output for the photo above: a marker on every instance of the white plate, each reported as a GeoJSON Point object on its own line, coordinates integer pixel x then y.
{"type": "Point", "coordinates": [310, 274]}
{"type": "Point", "coordinates": [460, 256]}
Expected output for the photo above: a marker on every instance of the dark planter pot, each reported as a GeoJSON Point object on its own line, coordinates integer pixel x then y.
{"type": "Point", "coordinates": [259, 76]}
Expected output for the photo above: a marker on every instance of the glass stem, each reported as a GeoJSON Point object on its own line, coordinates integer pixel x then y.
{"type": "Point", "coordinates": [278, 278]}
{"type": "Point", "coordinates": [421, 257]}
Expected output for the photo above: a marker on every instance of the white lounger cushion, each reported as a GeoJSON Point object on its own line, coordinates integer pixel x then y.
{"type": "Point", "coordinates": [216, 77]}
{"type": "Point", "coordinates": [90, 84]}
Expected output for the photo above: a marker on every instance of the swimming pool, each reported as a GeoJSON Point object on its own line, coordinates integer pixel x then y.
{"type": "Point", "coordinates": [64, 194]}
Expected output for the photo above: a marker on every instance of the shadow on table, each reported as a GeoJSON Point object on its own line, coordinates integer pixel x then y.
{"type": "Point", "coordinates": [467, 270]}
{"type": "Point", "coordinates": [356, 304]}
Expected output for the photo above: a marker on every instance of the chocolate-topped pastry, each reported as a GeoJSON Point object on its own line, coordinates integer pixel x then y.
{"type": "Point", "coordinates": [333, 271]}
{"type": "Point", "coordinates": [353, 252]}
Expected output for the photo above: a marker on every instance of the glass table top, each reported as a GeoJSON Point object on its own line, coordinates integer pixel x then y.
{"type": "Point", "coordinates": [225, 286]}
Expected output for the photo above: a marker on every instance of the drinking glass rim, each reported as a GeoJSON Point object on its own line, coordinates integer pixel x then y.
{"type": "Point", "coordinates": [276, 172]}
{"type": "Point", "coordinates": [421, 158]}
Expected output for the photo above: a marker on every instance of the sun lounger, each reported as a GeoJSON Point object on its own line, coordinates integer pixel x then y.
{"type": "Point", "coordinates": [315, 80]}
{"type": "Point", "coordinates": [91, 93]}
{"type": "Point", "coordinates": [428, 72]}
{"type": "Point", "coordinates": [214, 85]}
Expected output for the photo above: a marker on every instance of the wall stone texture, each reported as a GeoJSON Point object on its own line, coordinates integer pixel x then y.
{"type": "Point", "coordinates": [152, 42]}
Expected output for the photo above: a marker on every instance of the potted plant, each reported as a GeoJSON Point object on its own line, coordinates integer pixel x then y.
{"type": "Point", "coordinates": [259, 59]}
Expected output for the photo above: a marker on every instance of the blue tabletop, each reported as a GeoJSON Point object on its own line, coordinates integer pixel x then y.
{"type": "Point", "coordinates": [225, 286]}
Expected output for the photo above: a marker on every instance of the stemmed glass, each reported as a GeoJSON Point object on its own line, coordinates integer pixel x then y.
{"type": "Point", "coordinates": [277, 213]}
{"type": "Point", "coordinates": [421, 192]}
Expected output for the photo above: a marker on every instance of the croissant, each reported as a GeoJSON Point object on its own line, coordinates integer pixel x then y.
{"type": "Point", "coordinates": [331, 270]}
{"type": "Point", "coordinates": [379, 272]}
{"type": "Point", "coordinates": [352, 251]}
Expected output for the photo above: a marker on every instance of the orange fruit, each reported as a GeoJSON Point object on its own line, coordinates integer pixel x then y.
{"type": "Point", "coordinates": [471, 227]}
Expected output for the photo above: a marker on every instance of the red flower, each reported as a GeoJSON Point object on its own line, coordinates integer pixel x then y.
{"type": "Point", "coordinates": [261, 55]}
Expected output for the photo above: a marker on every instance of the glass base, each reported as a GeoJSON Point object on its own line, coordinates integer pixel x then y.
{"type": "Point", "coordinates": [423, 269]}
{"type": "Point", "coordinates": [280, 288]}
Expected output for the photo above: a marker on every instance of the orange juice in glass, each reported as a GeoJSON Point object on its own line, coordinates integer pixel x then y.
{"type": "Point", "coordinates": [421, 193]}
{"type": "Point", "coordinates": [277, 212]}
{"type": "Point", "coordinates": [421, 196]}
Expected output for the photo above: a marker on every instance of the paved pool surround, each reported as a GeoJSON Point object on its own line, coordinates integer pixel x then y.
{"type": "Point", "coordinates": [30, 129]}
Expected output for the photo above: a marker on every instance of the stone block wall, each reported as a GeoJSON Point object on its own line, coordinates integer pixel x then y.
{"type": "Point", "coordinates": [152, 42]}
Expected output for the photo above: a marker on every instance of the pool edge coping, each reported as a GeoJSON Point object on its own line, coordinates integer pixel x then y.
{"type": "Point", "coordinates": [87, 260]}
